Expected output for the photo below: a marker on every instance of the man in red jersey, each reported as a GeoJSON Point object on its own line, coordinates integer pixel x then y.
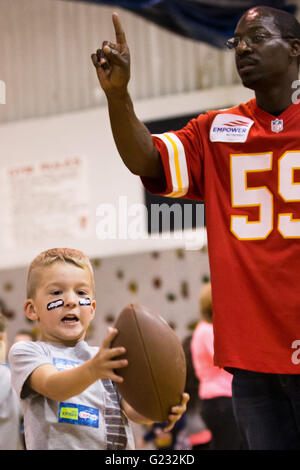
{"type": "Point", "coordinates": [244, 163]}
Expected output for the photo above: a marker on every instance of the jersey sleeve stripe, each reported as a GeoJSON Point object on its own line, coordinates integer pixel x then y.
{"type": "Point", "coordinates": [177, 164]}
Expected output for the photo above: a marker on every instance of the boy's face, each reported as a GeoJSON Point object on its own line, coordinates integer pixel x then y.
{"type": "Point", "coordinates": [65, 324]}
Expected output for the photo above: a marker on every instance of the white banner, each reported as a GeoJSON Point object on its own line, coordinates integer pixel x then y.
{"type": "Point", "coordinates": [45, 202]}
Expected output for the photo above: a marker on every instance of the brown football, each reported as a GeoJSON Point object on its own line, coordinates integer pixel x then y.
{"type": "Point", "coordinates": [154, 379]}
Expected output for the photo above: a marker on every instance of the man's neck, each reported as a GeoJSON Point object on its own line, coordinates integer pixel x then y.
{"type": "Point", "coordinates": [275, 99]}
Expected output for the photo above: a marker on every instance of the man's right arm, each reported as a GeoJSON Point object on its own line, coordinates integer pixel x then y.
{"type": "Point", "coordinates": [132, 138]}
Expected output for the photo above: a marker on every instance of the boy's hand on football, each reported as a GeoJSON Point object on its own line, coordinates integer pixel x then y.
{"type": "Point", "coordinates": [177, 411]}
{"type": "Point", "coordinates": [108, 359]}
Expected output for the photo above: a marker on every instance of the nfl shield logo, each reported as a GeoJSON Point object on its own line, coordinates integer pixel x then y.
{"type": "Point", "coordinates": [277, 125]}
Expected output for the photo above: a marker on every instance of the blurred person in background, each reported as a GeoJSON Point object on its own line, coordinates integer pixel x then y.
{"type": "Point", "coordinates": [24, 335]}
{"type": "Point", "coordinates": [195, 434]}
{"type": "Point", "coordinates": [215, 384]}
{"type": "Point", "coordinates": [10, 410]}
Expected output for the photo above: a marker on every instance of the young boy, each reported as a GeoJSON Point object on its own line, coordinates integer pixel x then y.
{"type": "Point", "coordinates": [66, 386]}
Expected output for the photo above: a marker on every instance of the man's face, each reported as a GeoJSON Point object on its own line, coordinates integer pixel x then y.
{"type": "Point", "coordinates": [65, 324]}
{"type": "Point", "coordinates": [265, 59]}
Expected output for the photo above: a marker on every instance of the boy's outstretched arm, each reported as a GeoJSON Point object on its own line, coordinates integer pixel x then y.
{"type": "Point", "coordinates": [61, 385]}
{"type": "Point", "coordinates": [176, 413]}
{"type": "Point", "coordinates": [132, 138]}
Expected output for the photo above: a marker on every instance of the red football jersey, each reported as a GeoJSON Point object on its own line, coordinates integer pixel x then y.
{"type": "Point", "coordinates": [245, 164]}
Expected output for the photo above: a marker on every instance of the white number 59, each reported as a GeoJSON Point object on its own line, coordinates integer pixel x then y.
{"type": "Point", "coordinates": [261, 197]}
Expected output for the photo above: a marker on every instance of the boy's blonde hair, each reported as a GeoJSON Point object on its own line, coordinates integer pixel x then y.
{"type": "Point", "coordinates": [205, 303]}
{"type": "Point", "coordinates": [54, 255]}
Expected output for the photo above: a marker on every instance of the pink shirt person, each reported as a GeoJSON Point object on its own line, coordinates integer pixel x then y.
{"type": "Point", "coordinates": [214, 381]}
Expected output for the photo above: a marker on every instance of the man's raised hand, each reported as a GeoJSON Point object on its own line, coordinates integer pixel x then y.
{"type": "Point", "coordinates": [112, 61]}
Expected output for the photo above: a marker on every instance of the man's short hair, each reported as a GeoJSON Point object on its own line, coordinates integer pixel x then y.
{"type": "Point", "coordinates": [287, 23]}
{"type": "Point", "coordinates": [48, 257]}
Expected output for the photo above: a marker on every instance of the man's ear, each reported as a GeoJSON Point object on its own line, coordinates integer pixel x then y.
{"type": "Point", "coordinates": [29, 310]}
{"type": "Point", "coordinates": [295, 47]}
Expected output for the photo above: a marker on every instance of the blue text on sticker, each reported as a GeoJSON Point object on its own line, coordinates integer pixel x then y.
{"type": "Point", "coordinates": [55, 304]}
{"type": "Point", "coordinates": [81, 415]}
{"type": "Point", "coordinates": [85, 301]}
{"type": "Point", "coordinates": [64, 364]}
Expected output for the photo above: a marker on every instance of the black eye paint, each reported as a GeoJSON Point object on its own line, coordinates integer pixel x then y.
{"type": "Point", "coordinates": [85, 301]}
{"type": "Point", "coordinates": [55, 304]}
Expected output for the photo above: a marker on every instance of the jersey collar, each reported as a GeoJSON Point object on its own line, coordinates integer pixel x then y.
{"type": "Point", "coordinates": [267, 117]}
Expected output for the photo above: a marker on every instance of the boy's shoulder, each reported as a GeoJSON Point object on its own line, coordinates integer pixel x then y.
{"type": "Point", "coordinates": [21, 346]}
{"type": "Point", "coordinates": [26, 353]}
{"type": "Point", "coordinates": [41, 347]}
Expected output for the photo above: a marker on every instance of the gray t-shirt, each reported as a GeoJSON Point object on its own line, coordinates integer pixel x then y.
{"type": "Point", "coordinates": [92, 420]}
{"type": "Point", "coordinates": [10, 412]}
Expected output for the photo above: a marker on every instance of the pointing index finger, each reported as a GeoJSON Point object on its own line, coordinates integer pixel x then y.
{"type": "Point", "coordinates": [120, 35]}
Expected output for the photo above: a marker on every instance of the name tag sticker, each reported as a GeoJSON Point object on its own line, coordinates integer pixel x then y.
{"type": "Point", "coordinates": [63, 364]}
{"type": "Point", "coordinates": [81, 415]}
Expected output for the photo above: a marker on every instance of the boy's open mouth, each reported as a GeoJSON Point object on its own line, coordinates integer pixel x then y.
{"type": "Point", "coordinates": [70, 318]}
